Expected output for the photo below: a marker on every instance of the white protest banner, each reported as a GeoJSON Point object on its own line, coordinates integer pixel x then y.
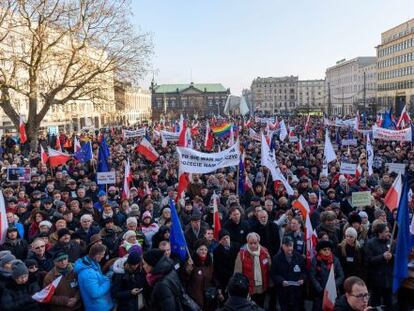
{"type": "Point", "coordinates": [386, 134]}
{"type": "Point", "coordinates": [192, 161]}
{"type": "Point", "coordinates": [104, 178]}
{"type": "Point", "coordinates": [348, 168]}
{"type": "Point", "coordinates": [19, 174]}
{"type": "Point", "coordinates": [396, 167]}
{"type": "Point", "coordinates": [264, 120]}
{"type": "Point", "coordinates": [293, 139]}
{"type": "Point", "coordinates": [349, 142]}
{"type": "Point", "coordinates": [134, 133]}
{"type": "Point", "coordinates": [168, 137]}
{"type": "Point", "coordinates": [345, 123]}
{"type": "Point", "coordinates": [362, 198]}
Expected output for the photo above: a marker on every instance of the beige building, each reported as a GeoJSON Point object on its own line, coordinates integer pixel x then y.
{"type": "Point", "coordinates": [351, 85]}
{"type": "Point", "coordinates": [275, 95]}
{"type": "Point", "coordinates": [311, 96]}
{"type": "Point", "coordinates": [396, 68]}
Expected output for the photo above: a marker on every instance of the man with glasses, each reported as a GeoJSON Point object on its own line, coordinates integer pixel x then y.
{"type": "Point", "coordinates": [356, 296]}
{"type": "Point", "coordinates": [38, 253]}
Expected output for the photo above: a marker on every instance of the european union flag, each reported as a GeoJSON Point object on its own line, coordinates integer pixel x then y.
{"type": "Point", "coordinates": [338, 138]}
{"type": "Point", "coordinates": [177, 239]}
{"type": "Point", "coordinates": [241, 175]}
{"type": "Point", "coordinates": [85, 153]}
{"type": "Point", "coordinates": [103, 156]}
{"type": "Point", "coordinates": [403, 247]}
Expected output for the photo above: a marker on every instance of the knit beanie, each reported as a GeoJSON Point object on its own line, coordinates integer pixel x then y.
{"type": "Point", "coordinates": [6, 257]}
{"type": "Point", "coordinates": [352, 232]}
{"type": "Point", "coordinates": [134, 258]}
{"type": "Point", "coordinates": [153, 256]}
{"type": "Point", "coordinates": [18, 269]}
{"type": "Point", "coordinates": [223, 233]}
{"type": "Point", "coordinates": [238, 286]}
{"type": "Point", "coordinates": [62, 232]}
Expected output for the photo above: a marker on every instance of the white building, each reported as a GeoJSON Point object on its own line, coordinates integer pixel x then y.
{"type": "Point", "coordinates": [275, 95]}
{"type": "Point", "coordinates": [352, 85]}
{"type": "Point", "coordinates": [137, 105]}
{"type": "Point", "coordinates": [311, 96]}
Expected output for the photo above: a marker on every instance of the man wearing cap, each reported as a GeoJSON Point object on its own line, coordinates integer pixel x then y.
{"type": "Point", "coordinates": [65, 244]}
{"type": "Point", "coordinates": [288, 273]}
{"type": "Point", "coordinates": [17, 292]}
{"type": "Point", "coordinates": [102, 199]}
{"type": "Point", "coordinates": [17, 246]}
{"type": "Point", "coordinates": [67, 295]}
{"type": "Point", "coordinates": [224, 258]}
{"type": "Point", "coordinates": [195, 231]}
{"type": "Point", "coordinates": [6, 257]}
{"type": "Point", "coordinates": [128, 281]}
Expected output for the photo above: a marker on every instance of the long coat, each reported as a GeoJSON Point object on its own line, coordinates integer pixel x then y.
{"type": "Point", "coordinates": [380, 271]}
{"type": "Point", "coordinates": [200, 279]}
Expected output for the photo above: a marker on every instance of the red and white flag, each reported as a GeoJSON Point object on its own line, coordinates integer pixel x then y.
{"type": "Point", "coordinates": [22, 131]}
{"type": "Point", "coordinates": [3, 219]}
{"type": "Point", "coordinates": [311, 240]}
{"type": "Point", "coordinates": [58, 146]}
{"type": "Point", "coordinates": [231, 139]}
{"type": "Point", "coordinates": [43, 155]}
{"type": "Point", "coordinates": [392, 198]}
{"type": "Point", "coordinates": [76, 145]}
{"type": "Point", "coordinates": [45, 295]}
{"type": "Point", "coordinates": [302, 205]}
{"type": "Point", "coordinates": [300, 145]}
{"type": "Point", "coordinates": [57, 158]}
{"type": "Point", "coordinates": [329, 294]}
{"type": "Point", "coordinates": [358, 171]}
{"type": "Point", "coordinates": [216, 217]}
{"type": "Point", "coordinates": [209, 139]}
{"type": "Point", "coordinates": [307, 124]}
{"type": "Point", "coordinates": [147, 150]}
{"type": "Point", "coordinates": [188, 139]}
{"type": "Point", "coordinates": [194, 128]}
{"type": "Point", "coordinates": [404, 119]}
{"type": "Point", "coordinates": [127, 180]}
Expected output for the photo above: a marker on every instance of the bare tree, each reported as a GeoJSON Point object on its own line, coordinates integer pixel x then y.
{"type": "Point", "coordinates": [56, 52]}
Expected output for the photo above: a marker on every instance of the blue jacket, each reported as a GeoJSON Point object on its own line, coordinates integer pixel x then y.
{"type": "Point", "coordinates": [95, 287]}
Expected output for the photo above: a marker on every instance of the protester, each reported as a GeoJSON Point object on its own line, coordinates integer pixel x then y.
{"type": "Point", "coordinates": [356, 296]}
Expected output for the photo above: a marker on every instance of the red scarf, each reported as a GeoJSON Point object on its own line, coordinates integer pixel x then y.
{"type": "Point", "coordinates": [153, 278]}
{"type": "Point", "coordinates": [327, 259]}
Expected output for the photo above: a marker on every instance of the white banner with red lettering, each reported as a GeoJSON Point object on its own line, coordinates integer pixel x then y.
{"type": "Point", "coordinates": [134, 133]}
{"type": "Point", "coordinates": [393, 135]}
{"type": "Point", "coordinates": [192, 161]}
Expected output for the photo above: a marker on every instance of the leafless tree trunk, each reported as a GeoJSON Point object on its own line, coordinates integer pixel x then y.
{"type": "Point", "coordinates": [57, 52]}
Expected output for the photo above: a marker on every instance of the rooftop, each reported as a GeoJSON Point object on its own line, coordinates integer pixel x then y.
{"type": "Point", "coordinates": [172, 88]}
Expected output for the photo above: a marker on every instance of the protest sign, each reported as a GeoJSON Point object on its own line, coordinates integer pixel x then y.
{"type": "Point", "coordinates": [362, 198]}
{"type": "Point", "coordinates": [345, 123]}
{"type": "Point", "coordinates": [348, 168]}
{"type": "Point", "coordinates": [134, 133]}
{"type": "Point", "coordinates": [264, 120]}
{"type": "Point", "coordinates": [396, 167]}
{"type": "Point", "coordinates": [192, 161]}
{"type": "Point", "coordinates": [385, 134]}
{"type": "Point", "coordinates": [349, 142]}
{"type": "Point", "coordinates": [19, 174]}
{"type": "Point", "coordinates": [104, 178]}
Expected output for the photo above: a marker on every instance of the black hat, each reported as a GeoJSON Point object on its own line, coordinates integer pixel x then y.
{"type": "Point", "coordinates": [196, 215]}
{"type": "Point", "coordinates": [325, 203]}
{"type": "Point", "coordinates": [238, 286]}
{"type": "Point", "coordinates": [255, 199]}
{"type": "Point", "coordinates": [134, 258]}
{"type": "Point", "coordinates": [287, 240]}
{"type": "Point", "coordinates": [48, 200]}
{"type": "Point", "coordinates": [43, 235]}
{"type": "Point", "coordinates": [30, 263]}
{"type": "Point", "coordinates": [223, 233]}
{"type": "Point", "coordinates": [353, 218]}
{"type": "Point", "coordinates": [153, 256]}
{"type": "Point", "coordinates": [62, 232]}
{"type": "Point", "coordinates": [324, 244]}
{"type": "Point", "coordinates": [200, 242]}
{"type": "Point", "coordinates": [58, 256]}
{"type": "Point", "coordinates": [11, 229]}
{"type": "Point", "coordinates": [108, 220]}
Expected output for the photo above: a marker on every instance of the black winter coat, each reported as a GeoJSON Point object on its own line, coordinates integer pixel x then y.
{"type": "Point", "coordinates": [238, 232]}
{"type": "Point", "coordinates": [223, 265]}
{"type": "Point", "coordinates": [319, 274]}
{"type": "Point", "coordinates": [240, 304]}
{"type": "Point", "coordinates": [15, 297]}
{"type": "Point", "coordinates": [19, 248]}
{"type": "Point", "coordinates": [342, 304]}
{"type": "Point", "coordinates": [269, 236]}
{"type": "Point", "coordinates": [72, 248]}
{"type": "Point", "coordinates": [379, 270]}
{"type": "Point", "coordinates": [123, 281]}
{"type": "Point", "coordinates": [166, 292]}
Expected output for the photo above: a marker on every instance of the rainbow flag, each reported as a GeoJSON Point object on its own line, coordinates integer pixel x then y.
{"type": "Point", "coordinates": [223, 130]}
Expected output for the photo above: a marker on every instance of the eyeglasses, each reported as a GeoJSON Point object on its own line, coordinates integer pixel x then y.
{"type": "Point", "coordinates": [361, 296]}
{"type": "Point", "coordinates": [40, 246]}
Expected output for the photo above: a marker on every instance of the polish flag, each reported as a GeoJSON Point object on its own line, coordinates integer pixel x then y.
{"type": "Point", "coordinates": [4, 224]}
{"type": "Point", "coordinates": [358, 171]}
{"type": "Point", "coordinates": [58, 146]}
{"type": "Point", "coordinates": [209, 139]}
{"type": "Point", "coordinates": [299, 145]}
{"type": "Point", "coordinates": [43, 155]}
{"type": "Point", "coordinates": [183, 134]}
{"type": "Point", "coordinates": [127, 180]}
{"type": "Point", "coordinates": [231, 139]}
{"type": "Point", "coordinates": [45, 295]}
{"type": "Point", "coordinates": [302, 205]}
{"type": "Point", "coordinates": [404, 119]}
{"type": "Point", "coordinates": [194, 129]}
{"type": "Point", "coordinates": [147, 150]}
{"type": "Point", "coordinates": [216, 217]}
{"type": "Point", "coordinates": [57, 158]}
{"type": "Point", "coordinates": [329, 294]}
{"type": "Point", "coordinates": [307, 124]}
{"type": "Point", "coordinates": [249, 123]}
{"type": "Point", "coordinates": [392, 198]}
{"type": "Point", "coordinates": [22, 131]}
{"type": "Point", "coordinates": [379, 120]}
{"type": "Point", "coordinates": [311, 241]}
{"type": "Point", "coordinates": [183, 181]}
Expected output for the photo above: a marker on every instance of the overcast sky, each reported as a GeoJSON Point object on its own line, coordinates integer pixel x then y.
{"type": "Point", "coordinates": [234, 41]}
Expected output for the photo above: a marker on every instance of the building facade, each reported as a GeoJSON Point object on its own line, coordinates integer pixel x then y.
{"type": "Point", "coordinates": [311, 96]}
{"type": "Point", "coordinates": [396, 68]}
{"type": "Point", "coordinates": [190, 100]}
{"type": "Point", "coordinates": [275, 94]}
{"type": "Point", "coordinates": [351, 86]}
{"type": "Point", "coordinates": [133, 104]}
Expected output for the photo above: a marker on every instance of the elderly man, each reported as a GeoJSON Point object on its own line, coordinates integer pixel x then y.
{"type": "Point", "coordinates": [253, 260]}
{"type": "Point", "coordinates": [86, 230]}
{"type": "Point", "coordinates": [268, 231]}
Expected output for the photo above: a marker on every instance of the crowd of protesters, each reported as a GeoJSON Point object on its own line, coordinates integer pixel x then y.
{"type": "Point", "coordinates": [115, 253]}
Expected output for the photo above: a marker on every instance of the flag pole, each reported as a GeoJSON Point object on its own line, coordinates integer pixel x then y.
{"type": "Point", "coordinates": [267, 179]}
{"type": "Point", "coordinates": [237, 178]}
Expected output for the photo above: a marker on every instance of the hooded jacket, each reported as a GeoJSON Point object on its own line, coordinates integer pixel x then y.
{"type": "Point", "coordinates": [240, 304]}
{"type": "Point", "coordinates": [94, 286]}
